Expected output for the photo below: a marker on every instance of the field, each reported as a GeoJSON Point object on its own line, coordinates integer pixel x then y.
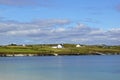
{"type": "Point", "coordinates": [68, 49]}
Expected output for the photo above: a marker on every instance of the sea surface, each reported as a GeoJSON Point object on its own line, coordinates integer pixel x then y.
{"type": "Point", "coordinates": [60, 68]}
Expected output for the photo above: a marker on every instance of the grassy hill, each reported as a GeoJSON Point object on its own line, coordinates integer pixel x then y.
{"type": "Point", "coordinates": [68, 49]}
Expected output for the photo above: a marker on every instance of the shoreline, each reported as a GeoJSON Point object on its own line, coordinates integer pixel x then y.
{"type": "Point", "coordinates": [54, 54]}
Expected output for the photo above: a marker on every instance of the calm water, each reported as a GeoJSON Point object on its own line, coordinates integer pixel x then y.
{"type": "Point", "coordinates": [60, 68]}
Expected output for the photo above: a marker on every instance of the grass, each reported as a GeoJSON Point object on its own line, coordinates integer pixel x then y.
{"type": "Point", "coordinates": [69, 49]}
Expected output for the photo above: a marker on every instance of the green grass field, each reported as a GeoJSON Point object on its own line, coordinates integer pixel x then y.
{"type": "Point", "coordinates": [68, 49]}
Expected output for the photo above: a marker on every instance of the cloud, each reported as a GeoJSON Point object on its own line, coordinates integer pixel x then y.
{"type": "Point", "coordinates": [51, 22]}
{"type": "Point", "coordinates": [56, 31]}
{"type": "Point", "coordinates": [25, 2]}
{"type": "Point", "coordinates": [15, 28]}
{"type": "Point", "coordinates": [114, 33]}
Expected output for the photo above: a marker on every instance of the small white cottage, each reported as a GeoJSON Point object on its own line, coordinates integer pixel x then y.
{"type": "Point", "coordinates": [78, 45]}
{"type": "Point", "coordinates": [23, 45]}
{"type": "Point", "coordinates": [58, 46]}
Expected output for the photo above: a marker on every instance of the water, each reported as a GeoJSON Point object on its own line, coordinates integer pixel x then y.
{"type": "Point", "coordinates": [60, 68]}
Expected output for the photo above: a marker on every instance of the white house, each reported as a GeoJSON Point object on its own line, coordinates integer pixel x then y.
{"type": "Point", "coordinates": [78, 45]}
{"type": "Point", "coordinates": [58, 46]}
{"type": "Point", "coordinates": [23, 45]}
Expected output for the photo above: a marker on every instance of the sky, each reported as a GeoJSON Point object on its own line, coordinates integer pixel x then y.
{"type": "Point", "coordinates": [60, 21]}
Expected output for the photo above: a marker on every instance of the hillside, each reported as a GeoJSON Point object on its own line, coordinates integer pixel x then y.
{"type": "Point", "coordinates": [67, 49]}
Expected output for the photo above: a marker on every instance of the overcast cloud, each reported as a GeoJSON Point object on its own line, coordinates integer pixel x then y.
{"type": "Point", "coordinates": [56, 31]}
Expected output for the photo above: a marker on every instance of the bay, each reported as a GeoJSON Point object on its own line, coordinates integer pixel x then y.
{"type": "Point", "coordinates": [60, 68]}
